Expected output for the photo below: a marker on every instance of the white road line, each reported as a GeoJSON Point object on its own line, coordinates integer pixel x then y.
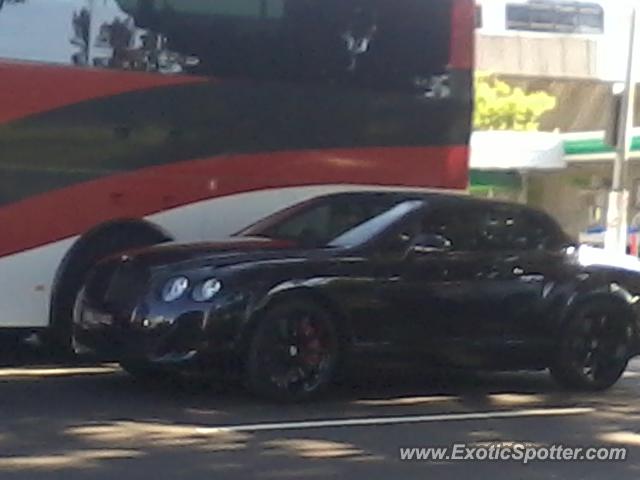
{"type": "Point", "coordinates": [363, 422]}
{"type": "Point", "coordinates": [55, 371]}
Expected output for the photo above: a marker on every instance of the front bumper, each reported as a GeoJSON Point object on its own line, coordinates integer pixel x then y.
{"type": "Point", "coordinates": [172, 342]}
{"type": "Point", "coordinates": [183, 336]}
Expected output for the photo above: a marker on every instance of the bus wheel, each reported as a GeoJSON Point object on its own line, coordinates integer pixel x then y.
{"type": "Point", "coordinates": [72, 273]}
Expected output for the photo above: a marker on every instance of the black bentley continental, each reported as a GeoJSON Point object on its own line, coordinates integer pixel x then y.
{"type": "Point", "coordinates": [425, 278]}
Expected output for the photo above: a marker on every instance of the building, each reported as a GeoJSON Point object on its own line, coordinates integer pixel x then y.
{"type": "Point", "coordinates": [576, 50]}
{"type": "Point", "coordinates": [553, 38]}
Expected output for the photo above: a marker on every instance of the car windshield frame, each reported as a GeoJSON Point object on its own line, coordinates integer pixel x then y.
{"type": "Point", "coordinates": [359, 234]}
{"type": "Point", "coordinates": [374, 227]}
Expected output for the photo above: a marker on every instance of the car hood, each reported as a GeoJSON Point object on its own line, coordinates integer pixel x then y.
{"type": "Point", "coordinates": [218, 253]}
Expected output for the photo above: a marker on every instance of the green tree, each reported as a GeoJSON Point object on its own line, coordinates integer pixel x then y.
{"type": "Point", "coordinates": [2, 2]}
{"type": "Point", "coordinates": [500, 106]}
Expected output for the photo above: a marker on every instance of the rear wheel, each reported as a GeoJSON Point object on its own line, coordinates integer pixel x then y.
{"type": "Point", "coordinates": [293, 353]}
{"type": "Point", "coordinates": [594, 349]}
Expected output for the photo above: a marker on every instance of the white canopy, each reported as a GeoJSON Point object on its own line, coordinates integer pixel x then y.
{"type": "Point", "coordinates": [506, 150]}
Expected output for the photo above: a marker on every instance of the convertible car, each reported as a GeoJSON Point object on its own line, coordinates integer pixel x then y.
{"type": "Point", "coordinates": [425, 278]}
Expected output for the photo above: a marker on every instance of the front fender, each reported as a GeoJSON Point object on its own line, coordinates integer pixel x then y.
{"type": "Point", "coordinates": [314, 289]}
{"type": "Point", "coordinates": [309, 286]}
{"type": "Point", "coordinates": [609, 292]}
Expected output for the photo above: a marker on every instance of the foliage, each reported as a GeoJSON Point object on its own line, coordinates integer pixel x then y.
{"type": "Point", "coordinates": [500, 106]}
{"type": "Point", "coordinates": [2, 2]}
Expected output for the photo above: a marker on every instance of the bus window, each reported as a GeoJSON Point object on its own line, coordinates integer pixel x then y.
{"type": "Point", "coordinates": [378, 44]}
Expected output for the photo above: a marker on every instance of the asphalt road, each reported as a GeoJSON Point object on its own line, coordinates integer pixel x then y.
{"type": "Point", "coordinates": [96, 422]}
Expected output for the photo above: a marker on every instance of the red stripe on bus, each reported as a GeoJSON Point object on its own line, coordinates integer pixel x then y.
{"type": "Point", "coordinates": [28, 89]}
{"type": "Point", "coordinates": [68, 212]}
{"type": "Point", "coordinates": [463, 27]}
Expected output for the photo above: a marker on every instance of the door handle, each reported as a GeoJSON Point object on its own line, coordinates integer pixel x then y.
{"type": "Point", "coordinates": [527, 277]}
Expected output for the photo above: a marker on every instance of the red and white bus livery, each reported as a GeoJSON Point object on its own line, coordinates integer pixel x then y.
{"type": "Point", "coordinates": [126, 123]}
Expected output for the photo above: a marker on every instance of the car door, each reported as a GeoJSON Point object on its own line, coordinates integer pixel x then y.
{"type": "Point", "coordinates": [532, 264]}
{"type": "Point", "coordinates": [451, 297]}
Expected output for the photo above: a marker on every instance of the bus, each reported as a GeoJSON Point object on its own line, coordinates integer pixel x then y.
{"type": "Point", "coordinates": [127, 123]}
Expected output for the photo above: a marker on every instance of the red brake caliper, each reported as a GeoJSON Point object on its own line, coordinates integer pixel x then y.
{"type": "Point", "coordinates": [311, 344]}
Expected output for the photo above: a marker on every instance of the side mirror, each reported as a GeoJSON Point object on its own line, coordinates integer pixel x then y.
{"type": "Point", "coordinates": [429, 243]}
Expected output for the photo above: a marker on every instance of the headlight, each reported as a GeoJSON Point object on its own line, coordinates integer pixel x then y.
{"type": "Point", "coordinates": [207, 290]}
{"type": "Point", "coordinates": [174, 289]}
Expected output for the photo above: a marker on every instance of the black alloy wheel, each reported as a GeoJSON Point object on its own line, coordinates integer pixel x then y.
{"type": "Point", "coordinates": [594, 350]}
{"type": "Point", "coordinates": [293, 353]}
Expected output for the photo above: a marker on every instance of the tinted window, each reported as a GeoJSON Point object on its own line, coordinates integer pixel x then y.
{"type": "Point", "coordinates": [456, 224]}
{"type": "Point", "coordinates": [320, 224]}
{"type": "Point", "coordinates": [502, 228]}
{"type": "Point", "coordinates": [341, 221]}
{"type": "Point", "coordinates": [542, 232]}
{"type": "Point", "coordinates": [553, 16]}
{"type": "Point", "coordinates": [398, 240]}
{"type": "Point", "coordinates": [380, 225]}
{"type": "Point", "coordinates": [399, 44]}
{"type": "Point", "coordinates": [505, 228]}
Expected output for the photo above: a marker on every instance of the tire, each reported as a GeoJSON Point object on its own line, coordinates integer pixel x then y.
{"type": "Point", "coordinates": [145, 372]}
{"type": "Point", "coordinates": [293, 352]}
{"type": "Point", "coordinates": [75, 273]}
{"type": "Point", "coordinates": [594, 348]}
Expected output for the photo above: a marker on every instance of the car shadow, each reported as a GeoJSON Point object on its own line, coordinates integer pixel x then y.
{"type": "Point", "coordinates": [399, 387]}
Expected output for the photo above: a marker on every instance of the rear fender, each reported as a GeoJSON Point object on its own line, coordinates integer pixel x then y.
{"type": "Point", "coordinates": [613, 293]}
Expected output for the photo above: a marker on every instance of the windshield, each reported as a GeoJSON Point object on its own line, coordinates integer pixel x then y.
{"type": "Point", "coordinates": [375, 226]}
{"type": "Point", "coordinates": [334, 222]}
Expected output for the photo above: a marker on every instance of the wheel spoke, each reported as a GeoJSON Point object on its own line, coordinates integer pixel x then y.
{"type": "Point", "coordinates": [297, 353]}
{"type": "Point", "coordinates": [598, 347]}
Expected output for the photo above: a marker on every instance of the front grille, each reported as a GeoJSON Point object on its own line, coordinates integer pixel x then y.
{"type": "Point", "coordinates": [117, 286]}
{"type": "Point", "coordinates": [185, 336]}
